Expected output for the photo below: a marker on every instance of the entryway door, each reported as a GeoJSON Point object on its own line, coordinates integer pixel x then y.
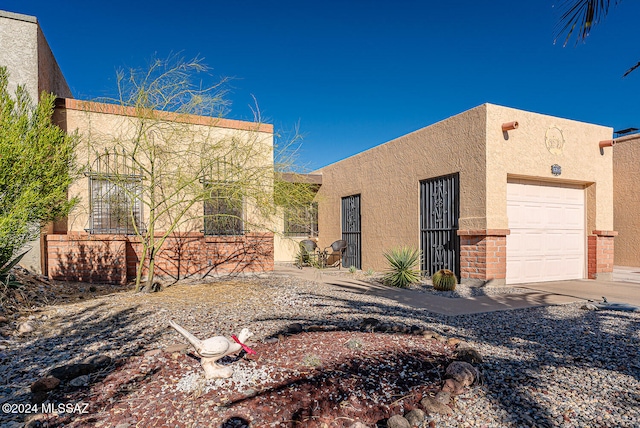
{"type": "Point", "coordinates": [351, 231]}
{"type": "Point", "coordinates": [439, 213]}
{"type": "Point", "coordinates": [547, 239]}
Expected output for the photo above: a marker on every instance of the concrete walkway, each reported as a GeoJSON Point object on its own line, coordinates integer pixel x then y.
{"type": "Point", "coordinates": [540, 294]}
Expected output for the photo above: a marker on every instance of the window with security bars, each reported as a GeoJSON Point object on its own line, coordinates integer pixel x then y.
{"type": "Point", "coordinates": [301, 221]}
{"type": "Point", "coordinates": [223, 211]}
{"type": "Point", "coordinates": [115, 205]}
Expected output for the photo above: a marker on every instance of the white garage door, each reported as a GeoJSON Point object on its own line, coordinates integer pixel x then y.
{"type": "Point", "coordinates": [547, 240]}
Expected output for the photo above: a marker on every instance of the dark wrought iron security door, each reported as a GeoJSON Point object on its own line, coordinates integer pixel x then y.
{"type": "Point", "coordinates": [351, 231]}
{"type": "Point", "coordinates": [439, 212]}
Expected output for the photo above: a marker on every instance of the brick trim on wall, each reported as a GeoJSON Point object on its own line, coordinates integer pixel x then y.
{"type": "Point", "coordinates": [483, 255]}
{"type": "Point", "coordinates": [600, 248]}
{"type": "Point", "coordinates": [114, 258]}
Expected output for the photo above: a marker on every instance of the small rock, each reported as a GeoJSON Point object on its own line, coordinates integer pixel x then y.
{"type": "Point", "coordinates": [152, 353]}
{"type": "Point", "coordinates": [469, 355]}
{"type": "Point", "coordinates": [418, 331]}
{"type": "Point", "coordinates": [590, 307]}
{"type": "Point", "coordinates": [26, 327]}
{"type": "Point", "coordinates": [415, 417]}
{"type": "Point", "coordinates": [428, 334]}
{"type": "Point", "coordinates": [431, 405]}
{"type": "Point", "coordinates": [398, 421]}
{"type": "Point", "coordinates": [181, 347]}
{"type": "Point", "coordinates": [453, 341]}
{"type": "Point", "coordinates": [72, 371]}
{"type": "Point", "coordinates": [453, 386]}
{"type": "Point", "coordinates": [45, 384]}
{"type": "Point", "coordinates": [358, 425]}
{"type": "Point", "coordinates": [463, 372]}
{"type": "Point", "coordinates": [93, 289]}
{"type": "Point", "coordinates": [369, 324]}
{"type": "Point", "coordinates": [443, 397]}
{"type": "Point", "coordinates": [80, 381]}
{"type": "Point", "coordinates": [294, 328]}
{"type": "Point", "coordinates": [98, 361]}
{"type": "Point", "coordinates": [271, 340]}
{"type": "Point", "coordinates": [3, 320]}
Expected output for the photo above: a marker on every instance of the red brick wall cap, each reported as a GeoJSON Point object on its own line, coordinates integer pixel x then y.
{"type": "Point", "coordinates": [484, 232]}
{"type": "Point", "coordinates": [605, 233]}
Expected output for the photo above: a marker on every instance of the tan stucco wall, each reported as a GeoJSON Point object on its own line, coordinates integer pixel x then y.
{"type": "Point", "coordinates": [472, 143]}
{"type": "Point", "coordinates": [19, 50]}
{"type": "Point", "coordinates": [523, 153]}
{"type": "Point", "coordinates": [50, 78]}
{"type": "Point", "coordinates": [626, 211]}
{"type": "Point", "coordinates": [387, 178]}
{"type": "Point", "coordinates": [26, 54]}
{"type": "Point", "coordinates": [99, 128]}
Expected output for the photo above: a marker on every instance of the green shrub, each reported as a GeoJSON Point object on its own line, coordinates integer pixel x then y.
{"type": "Point", "coordinates": [403, 270]}
{"type": "Point", "coordinates": [444, 280]}
{"type": "Point", "coordinates": [352, 269]}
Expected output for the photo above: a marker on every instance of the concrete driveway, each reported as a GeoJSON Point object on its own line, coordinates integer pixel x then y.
{"type": "Point", "coordinates": [614, 291]}
{"type": "Point", "coordinates": [538, 294]}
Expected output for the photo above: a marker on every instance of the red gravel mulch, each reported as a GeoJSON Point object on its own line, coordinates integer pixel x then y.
{"type": "Point", "coordinates": [311, 379]}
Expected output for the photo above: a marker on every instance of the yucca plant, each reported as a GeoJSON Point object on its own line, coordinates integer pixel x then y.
{"type": "Point", "coordinates": [444, 280]}
{"type": "Point", "coordinates": [403, 267]}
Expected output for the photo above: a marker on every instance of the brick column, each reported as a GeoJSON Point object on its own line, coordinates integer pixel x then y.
{"type": "Point", "coordinates": [600, 254]}
{"type": "Point", "coordinates": [483, 256]}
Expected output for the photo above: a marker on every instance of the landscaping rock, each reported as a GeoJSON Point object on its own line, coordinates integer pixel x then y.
{"type": "Point", "coordinates": [463, 372]}
{"type": "Point", "coordinates": [45, 384]}
{"type": "Point", "coordinates": [398, 421]}
{"type": "Point", "coordinates": [294, 328]}
{"type": "Point", "coordinates": [80, 381]}
{"type": "Point", "coordinates": [415, 417]}
{"type": "Point", "coordinates": [468, 355]}
{"type": "Point", "coordinates": [369, 324]}
{"type": "Point", "coordinates": [72, 371]}
{"type": "Point", "coordinates": [99, 361]}
{"type": "Point", "coordinates": [152, 353]}
{"type": "Point", "coordinates": [431, 405]}
{"type": "Point", "coordinates": [590, 307]}
{"type": "Point", "coordinates": [26, 327]}
{"type": "Point", "coordinates": [453, 341]}
{"type": "Point", "coordinates": [452, 386]}
{"type": "Point", "coordinates": [443, 397]}
{"type": "Point", "coordinates": [358, 425]}
{"type": "Point", "coordinates": [181, 347]}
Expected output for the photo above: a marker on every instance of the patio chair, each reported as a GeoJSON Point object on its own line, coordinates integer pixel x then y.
{"type": "Point", "coordinates": [307, 254]}
{"type": "Point", "coordinates": [337, 249]}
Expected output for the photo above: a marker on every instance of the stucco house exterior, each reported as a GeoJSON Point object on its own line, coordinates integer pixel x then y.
{"type": "Point", "coordinates": [626, 196]}
{"type": "Point", "coordinates": [94, 243]}
{"type": "Point", "coordinates": [497, 195]}
{"type": "Point", "coordinates": [97, 241]}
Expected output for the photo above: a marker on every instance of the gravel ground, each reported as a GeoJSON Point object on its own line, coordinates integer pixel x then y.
{"type": "Point", "coordinates": [551, 366]}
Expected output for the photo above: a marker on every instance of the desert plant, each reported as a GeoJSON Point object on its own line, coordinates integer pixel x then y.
{"type": "Point", "coordinates": [444, 280]}
{"type": "Point", "coordinates": [370, 272]}
{"type": "Point", "coordinates": [403, 270]}
{"type": "Point", "coordinates": [352, 269]}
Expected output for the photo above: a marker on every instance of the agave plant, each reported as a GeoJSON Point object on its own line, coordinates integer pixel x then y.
{"type": "Point", "coordinates": [444, 280]}
{"type": "Point", "coordinates": [5, 272]}
{"type": "Point", "coordinates": [403, 267]}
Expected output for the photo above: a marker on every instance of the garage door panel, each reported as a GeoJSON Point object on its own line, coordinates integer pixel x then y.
{"type": "Point", "coordinates": [547, 240]}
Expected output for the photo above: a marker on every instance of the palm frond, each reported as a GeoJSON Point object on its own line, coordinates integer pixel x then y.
{"type": "Point", "coordinates": [582, 15]}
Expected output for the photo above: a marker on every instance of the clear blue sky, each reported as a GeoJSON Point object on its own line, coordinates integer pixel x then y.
{"type": "Point", "coordinates": [355, 74]}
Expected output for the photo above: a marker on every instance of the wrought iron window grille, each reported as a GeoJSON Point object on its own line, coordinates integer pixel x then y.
{"type": "Point", "coordinates": [115, 191]}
